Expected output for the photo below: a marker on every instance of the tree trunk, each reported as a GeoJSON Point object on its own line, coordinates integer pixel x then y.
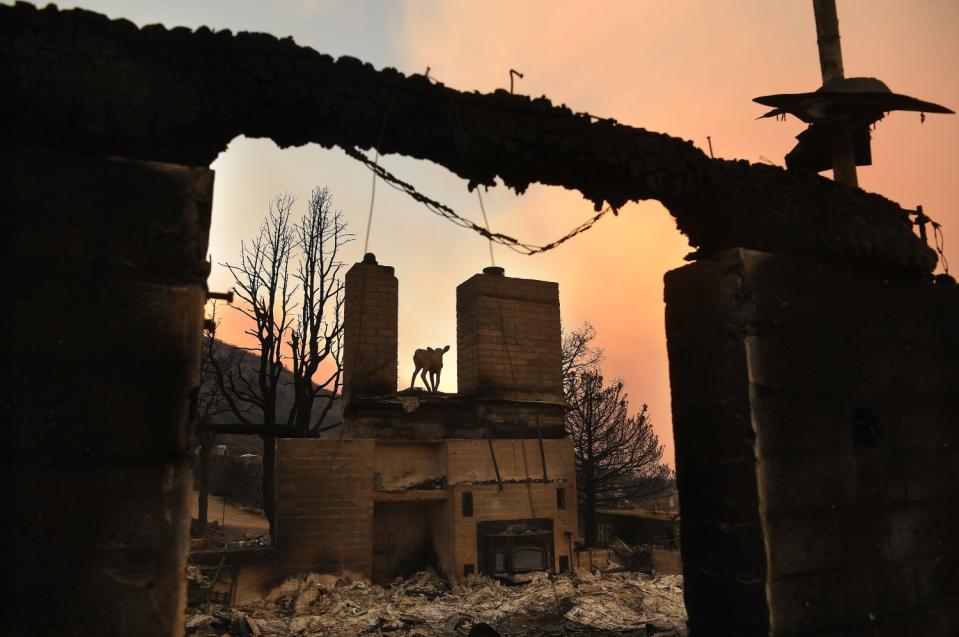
{"type": "Point", "coordinates": [590, 521]}
{"type": "Point", "coordinates": [589, 508]}
{"type": "Point", "coordinates": [304, 400]}
{"type": "Point", "coordinates": [206, 445]}
{"type": "Point", "coordinates": [269, 471]}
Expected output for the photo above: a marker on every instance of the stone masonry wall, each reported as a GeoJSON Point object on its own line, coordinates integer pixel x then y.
{"type": "Point", "coordinates": [400, 464]}
{"type": "Point", "coordinates": [720, 532]}
{"type": "Point", "coordinates": [324, 494]}
{"type": "Point", "coordinates": [471, 461]}
{"type": "Point", "coordinates": [508, 338]}
{"type": "Point", "coordinates": [817, 452]}
{"type": "Point", "coordinates": [109, 257]}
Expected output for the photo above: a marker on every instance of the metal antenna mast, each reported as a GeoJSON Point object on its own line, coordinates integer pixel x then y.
{"type": "Point", "coordinates": [830, 63]}
{"type": "Point", "coordinates": [840, 112]}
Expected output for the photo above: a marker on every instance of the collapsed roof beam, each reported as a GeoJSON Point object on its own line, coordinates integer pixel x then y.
{"type": "Point", "coordinates": [77, 81]}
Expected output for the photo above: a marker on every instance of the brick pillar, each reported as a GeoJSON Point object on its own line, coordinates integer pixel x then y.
{"type": "Point", "coordinates": [324, 510]}
{"type": "Point", "coordinates": [110, 262]}
{"type": "Point", "coordinates": [815, 411]}
{"type": "Point", "coordinates": [370, 330]}
{"type": "Point", "coordinates": [508, 337]}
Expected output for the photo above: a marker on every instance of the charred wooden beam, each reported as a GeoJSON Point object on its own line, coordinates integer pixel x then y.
{"type": "Point", "coordinates": [75, 80]}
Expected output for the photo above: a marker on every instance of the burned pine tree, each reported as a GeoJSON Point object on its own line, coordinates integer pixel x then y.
{"type": "Point", "coordinates": [618, 455]}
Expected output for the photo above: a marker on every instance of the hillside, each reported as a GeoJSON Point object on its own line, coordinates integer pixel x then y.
{"type": "Point", "coordinates": [249, 363]}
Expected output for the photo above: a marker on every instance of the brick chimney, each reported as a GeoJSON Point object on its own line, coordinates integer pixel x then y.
{"type": "Point", "coordinates": [508, 338]}
{"type": "Point", "coordinates": [370, 330]}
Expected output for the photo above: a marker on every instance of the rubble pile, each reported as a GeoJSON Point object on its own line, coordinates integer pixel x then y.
{"type": "Point", "coordinates": [632, 558]}
{"type": "Point", "coordinates": [582, 605]}
{"type": "Point", "coordinates": [216, 536]}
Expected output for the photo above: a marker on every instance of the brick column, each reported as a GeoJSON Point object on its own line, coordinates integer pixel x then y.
{"type": "Point", "coordinates": [370, 330]}
{"type": "Point", "coordinates": [508, 337]}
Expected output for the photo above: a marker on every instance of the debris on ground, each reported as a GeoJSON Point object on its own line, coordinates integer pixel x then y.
{"type": "Point", "coordinates": [217, 536]}
{"type": "Point", "coordinates": [584, 605]}
{"type": "Point", "coordinates": [632, 557]}
{"type": "Point", "coordinates": [199, 587]}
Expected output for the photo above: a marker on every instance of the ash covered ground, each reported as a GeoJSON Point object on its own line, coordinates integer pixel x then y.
{"type": "Point", "coordinates": [582, 604]}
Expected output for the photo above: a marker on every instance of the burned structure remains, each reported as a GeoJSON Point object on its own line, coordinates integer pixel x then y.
{"type": "Point", "coordinates": [481, 481]}
{"type": "Point", "coordinates": [813, 357]}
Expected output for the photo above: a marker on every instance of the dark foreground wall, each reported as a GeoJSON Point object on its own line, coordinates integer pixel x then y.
{"type": "Point", "coordinates": [816, 414]}
{"type": "Point", "coordinates": [108, 294]}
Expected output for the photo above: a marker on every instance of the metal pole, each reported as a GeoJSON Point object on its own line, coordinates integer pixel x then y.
{"type": "Point", "coordinates": [921, 221]}
{"type": "Point", "coordinates": [830, 64]}
{"type": "Point", "coordinates": [827, 35]}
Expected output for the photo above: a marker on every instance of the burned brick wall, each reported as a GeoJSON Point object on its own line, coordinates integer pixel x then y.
{"type": "Point", "coordinates": [383, 508]}
{"type": "Point", "coordinates": [523, 493]}
{"type": "Point", "coordinates": [324, 516]}
{"type": "Point", "coordinates": [815, 413]}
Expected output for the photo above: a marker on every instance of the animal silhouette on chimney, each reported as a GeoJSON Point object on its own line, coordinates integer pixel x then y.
{"type": "Point", "coordinates": [429, 360]}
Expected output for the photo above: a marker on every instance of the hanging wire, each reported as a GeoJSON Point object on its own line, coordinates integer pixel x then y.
{"type": "Point", "coordinates": [454, 109]}
{"type": "Point", "coordinates": [369, 219]}
{"type": "Point", "coordinates": [376, 160]}
{"type": "Point", "coordinates": [479, 195]}
{"type": "Point", "coordinates": [469, 158]}
{"type": "Point", "coordinates": [448, 213]}
{"type": "Point", "coordinates": [452, 216]}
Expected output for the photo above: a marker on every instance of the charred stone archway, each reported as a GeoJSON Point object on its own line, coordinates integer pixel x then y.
{"type": "Point", "coordinates": [78, 82]}
{"type": "Point", "coordinates": [809, 303]}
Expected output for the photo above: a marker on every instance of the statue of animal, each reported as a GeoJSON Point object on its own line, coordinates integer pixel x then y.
{"type": "Point", "coordinates": [429, 360]}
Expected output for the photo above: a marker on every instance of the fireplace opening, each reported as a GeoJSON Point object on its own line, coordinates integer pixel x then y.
{"type": "Point", "coordinates": [515, 546]}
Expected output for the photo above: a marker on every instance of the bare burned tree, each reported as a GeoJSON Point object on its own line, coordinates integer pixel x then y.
{"type": "Point", "coordinates": [289, 286]}
{"type": "Point", "coordinates": [579, 353]}
{"type": "Point", "coordinates": [618, 456]}
{"type": "Point", "coordinates": [316, 341]}
{"type": "Point", "coordinates": [262, 283]}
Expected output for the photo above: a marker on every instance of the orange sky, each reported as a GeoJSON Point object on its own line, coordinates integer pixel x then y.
{"type": "Point", "coordinates": [688, 69]}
